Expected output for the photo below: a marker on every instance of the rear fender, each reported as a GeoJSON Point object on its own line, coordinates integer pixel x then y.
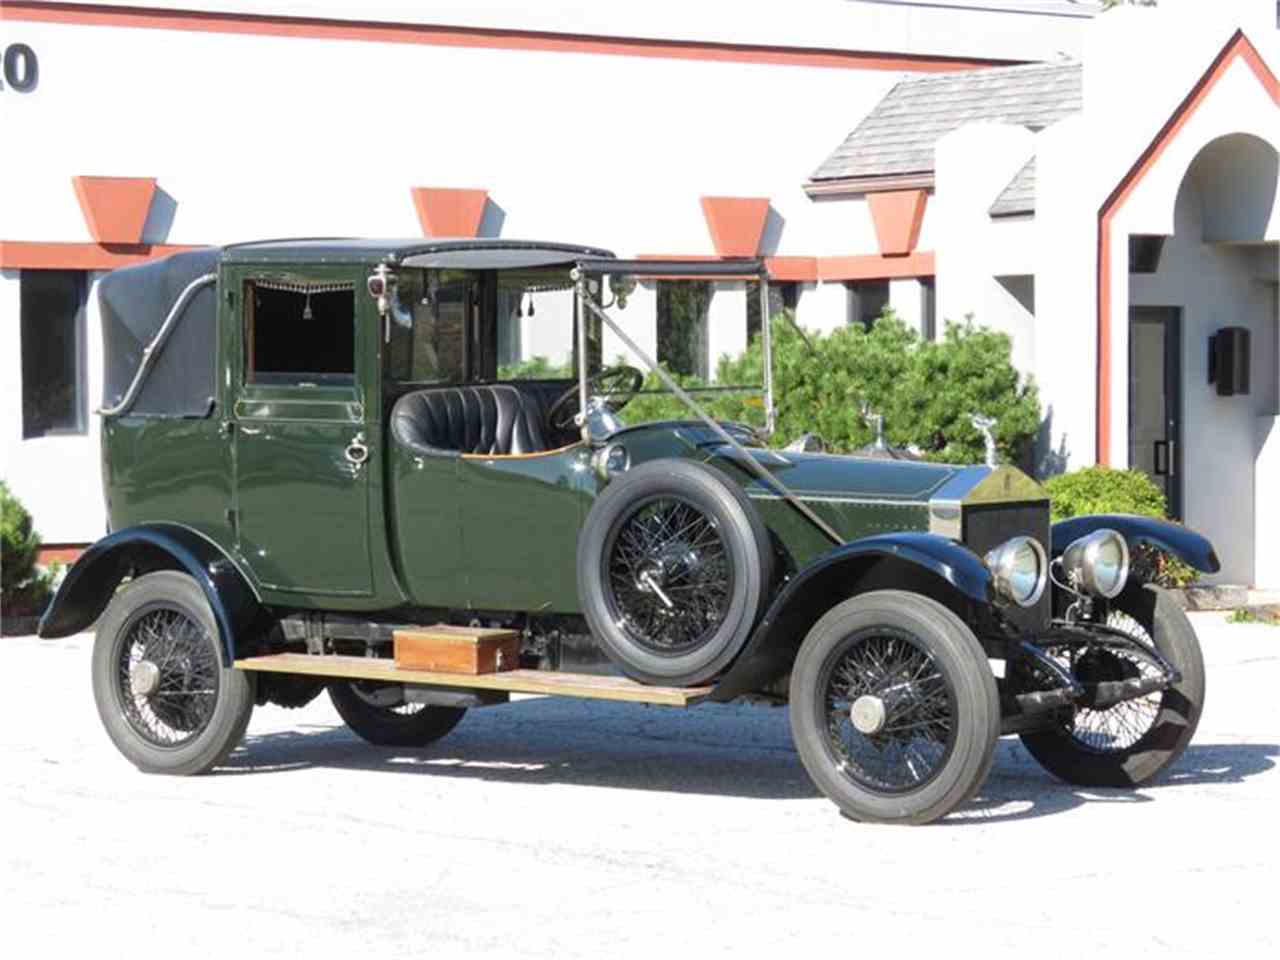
{"type": "Point", "coordinates": [90, 584]}
{"type": "Point", "coordinates": [924, 563]}
{"type": "Point", "coordinates": [1185, 544]}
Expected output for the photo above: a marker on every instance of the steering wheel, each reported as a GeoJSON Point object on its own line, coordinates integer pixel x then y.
{"type": "Point", "coordinates": [614, 385]}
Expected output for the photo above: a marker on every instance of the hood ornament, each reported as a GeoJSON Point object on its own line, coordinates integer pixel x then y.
{"type": "Point", "coordinates": [879, 448]}
{"type": "Point", "coordinates": [983, 425]}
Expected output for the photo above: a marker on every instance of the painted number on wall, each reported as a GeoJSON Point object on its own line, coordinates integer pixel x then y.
{"type": "Point", "coordinates": [21, 68]}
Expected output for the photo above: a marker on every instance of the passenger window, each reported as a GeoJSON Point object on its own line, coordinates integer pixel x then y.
{"type": "Point", "coordinates": [426, 339]}
{"type": "Point", "coordinates": [299, 334]}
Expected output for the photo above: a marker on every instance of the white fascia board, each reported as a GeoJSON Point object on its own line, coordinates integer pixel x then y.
{"type": "Point", "coordinates": [968, 31]}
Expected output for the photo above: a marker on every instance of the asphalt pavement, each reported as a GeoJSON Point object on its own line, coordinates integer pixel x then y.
{"type": "Point", "coordinates": [561, 828]}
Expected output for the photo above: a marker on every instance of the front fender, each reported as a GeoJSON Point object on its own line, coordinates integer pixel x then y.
{"type": "Point", "coordinates": [922, 562]}
{"type": "Point", "coordinates": [90, 584]}
{"type": "Point", "coordinates": [1185, 544]}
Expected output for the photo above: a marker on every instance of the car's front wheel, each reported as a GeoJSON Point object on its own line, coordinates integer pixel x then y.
{"type": "Point", "coordinates": [163, 695]}
{"type": "Point", "coordinates": [379, 714]}
{"type": "Point", "coordinates": [1131, 742]}
{"type": "Point", "coordinates": [894, 709]}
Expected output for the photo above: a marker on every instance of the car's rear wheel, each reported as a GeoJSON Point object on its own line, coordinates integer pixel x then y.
{"type": "Point", "coordinates": [894, 709]}
{"type": "Point", "coordinates": [1131, 742]}
{"type": "Point", "coordinates": [674, 566]}
{"type": "Point", "coordinates": [163, 695]}
{"type": "Point", "coordinates": [379, 714]}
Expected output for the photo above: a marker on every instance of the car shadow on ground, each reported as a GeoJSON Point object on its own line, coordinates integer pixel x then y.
{"type": "Point", "coordinates": [1018, 789]}
{"type": "Point", "coordinates": [724, 750]}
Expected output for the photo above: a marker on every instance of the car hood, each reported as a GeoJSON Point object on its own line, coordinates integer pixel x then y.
{"type": "Point", "coordinates": [862, 496]}
{"type": "Point", "coordinates": [828, 476]}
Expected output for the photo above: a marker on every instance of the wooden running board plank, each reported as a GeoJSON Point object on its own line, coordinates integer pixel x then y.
{"type": "Point", "coordinates": [514, 681]}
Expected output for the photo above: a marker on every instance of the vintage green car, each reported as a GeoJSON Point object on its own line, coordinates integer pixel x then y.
{"type": "Point", "coordinates": [310, 446]}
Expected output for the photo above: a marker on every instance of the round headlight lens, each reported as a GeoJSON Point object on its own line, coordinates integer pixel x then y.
{"type": "Point", "coordinates": [1098, 563]}
{"type": "Point", "coordinates": [1020, 570]}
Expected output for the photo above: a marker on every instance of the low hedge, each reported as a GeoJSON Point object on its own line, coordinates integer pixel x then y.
{"type": "Point", "coordinates": [1104, 490]}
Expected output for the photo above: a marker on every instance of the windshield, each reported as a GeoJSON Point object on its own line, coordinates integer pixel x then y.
{"type": "Point", "coordinates": [457, 326]}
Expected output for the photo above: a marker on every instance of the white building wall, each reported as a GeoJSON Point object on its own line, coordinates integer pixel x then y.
{"type": "Point", "coordinates": [985, 266]}
{"type": "Point", "coordinates": [1215, 286]}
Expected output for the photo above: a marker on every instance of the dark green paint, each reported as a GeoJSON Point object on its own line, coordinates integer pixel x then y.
{"type": "Point", "coordinates": [265, 478]}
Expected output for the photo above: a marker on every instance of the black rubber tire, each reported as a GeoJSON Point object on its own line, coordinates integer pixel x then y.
{"type": "Point", "coordinates": [236, 688]}
{"type": "Point", "coordinates": [383, 727]}
{"type": "Point", "coordinates": [747, 544]}
{"type": "Point", "coordinates": [1174, 724]}
{"type": "Point", "coordinates": [964, 667]}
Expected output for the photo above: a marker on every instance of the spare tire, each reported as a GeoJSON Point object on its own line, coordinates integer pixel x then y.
{"type": "Point", "coordinates": [674, 567]}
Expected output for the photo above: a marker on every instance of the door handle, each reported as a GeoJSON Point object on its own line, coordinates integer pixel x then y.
{"type": "Point", "coordinates": [357, 452]}
{"type": "Point", "coordinates": [1160, 454]}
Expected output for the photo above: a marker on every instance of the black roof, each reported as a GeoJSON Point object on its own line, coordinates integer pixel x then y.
{"type": "Point", "coordinates": [358, 250]}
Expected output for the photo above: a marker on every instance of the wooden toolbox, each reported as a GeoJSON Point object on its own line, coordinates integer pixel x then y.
{"type": "Point", "coordinates": [448, 649]}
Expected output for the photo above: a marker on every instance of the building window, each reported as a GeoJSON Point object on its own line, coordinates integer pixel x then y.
{"type": "Point", "coordinates": [682, 326]}
{"type": "Point", "coordinates": [782, 295]}
{"type": "Point", "coordinates": [53, 344]}
{"type": "Point", "coordinates": [867, 299]}
{"type": "Point", "coordinates": [299, 334]}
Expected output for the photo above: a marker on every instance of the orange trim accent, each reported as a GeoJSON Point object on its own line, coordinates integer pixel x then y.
{"type": "Point", "coordinates": [23, 255]}
{"type": "Point", "coordinates": [519, 456]}
{"type": "Point", "coordinates": [115, 208]}
{"type": "Point", "coordinates": [479, 37]}
{"type": "Point", "coordinates": [736, 224]}
{"type": "Point", "coordinates": [897, 215]}
{"type": "Point", "coordinates": [799, 269]}
{"type": "Point", "coordinates": [1238, 47]}
{"type": "Point", "coordinates": [877, 267]}
{"type": "Point", "coordinates": [449, 212]}
{"type": "Point", "coordinates": [65, 553]}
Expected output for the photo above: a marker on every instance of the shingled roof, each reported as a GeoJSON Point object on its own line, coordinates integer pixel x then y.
{"type": "Point", "coordinates": [898, 137]}
{"type": "Point", "coordinates": [1020, 195]}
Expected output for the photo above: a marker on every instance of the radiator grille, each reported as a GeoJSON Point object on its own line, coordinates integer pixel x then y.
{"type": "Point", "coordinates": [989, 525]}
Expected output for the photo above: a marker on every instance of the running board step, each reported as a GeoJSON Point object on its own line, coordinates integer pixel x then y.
{"type": "Point", "coordinates": [548, 682]}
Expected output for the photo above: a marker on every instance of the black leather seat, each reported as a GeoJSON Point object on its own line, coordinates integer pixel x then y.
{"type": "Point", "coordinates": [489, 419]}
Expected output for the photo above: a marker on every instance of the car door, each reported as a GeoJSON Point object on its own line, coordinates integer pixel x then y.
{"type": "Point", "coordinates": [302, 449]}
{"type": "Point", "coordinates": [520, 520]}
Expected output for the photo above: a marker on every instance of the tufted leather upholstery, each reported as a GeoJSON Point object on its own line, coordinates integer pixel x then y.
{"type": "Point", "coordinates": [492, 419]}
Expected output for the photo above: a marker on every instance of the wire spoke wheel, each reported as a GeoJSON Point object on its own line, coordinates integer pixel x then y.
{"type": "Point", "coordinates": [167, 675]}
{"type": "Point", "coordinates": [380, 713]}
{"type": "Point", "coordinates": [1131, 742]}
{"type": "Point", "coordinates": [1123, 725]}
{"type": "Point", "coordinates": [889, 711]}
{"type": "Point", "coordinates": [668, 574]}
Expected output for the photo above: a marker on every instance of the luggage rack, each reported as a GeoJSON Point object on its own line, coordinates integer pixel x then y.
{"type": "Point", "coordinates": [547, 682]}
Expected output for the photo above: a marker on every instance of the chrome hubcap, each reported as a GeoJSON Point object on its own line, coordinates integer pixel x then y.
{"type": "Point", "coordinates": [144, 678]}
{"type": "Point", "coordinates": [867, 714]}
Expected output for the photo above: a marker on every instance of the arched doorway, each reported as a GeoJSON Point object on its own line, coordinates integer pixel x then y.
{"type": "Point", "coordinates": [1215, 451]}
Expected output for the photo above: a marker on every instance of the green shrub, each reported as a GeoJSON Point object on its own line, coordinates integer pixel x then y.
{"type": "Point", "coordinates": [21, 583]}
{"type": "Point", "coordinates": [926, 391]}
{"type": "Point", "coordinates": [1103, 490]}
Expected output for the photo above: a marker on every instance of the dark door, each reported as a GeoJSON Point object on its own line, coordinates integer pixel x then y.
{"type": "Point", "coordinates": [1155, 398]}
{"type": "Point", "coordinates": [302, 449]}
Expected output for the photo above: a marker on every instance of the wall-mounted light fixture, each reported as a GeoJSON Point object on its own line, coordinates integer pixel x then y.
{"type": "Point", "coordinates": [1229, 361]}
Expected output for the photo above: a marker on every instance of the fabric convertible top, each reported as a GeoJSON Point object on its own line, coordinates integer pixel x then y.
{"type": "Point", "coordinates": [134, 302]}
